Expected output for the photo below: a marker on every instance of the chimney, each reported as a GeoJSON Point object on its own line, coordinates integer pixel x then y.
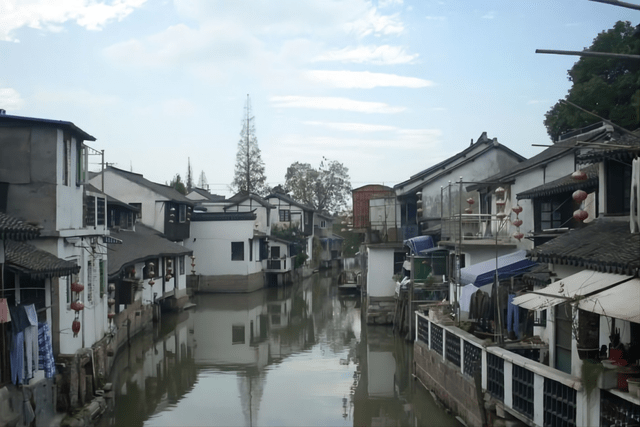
{"type": "Point", "coordinates": [3, 112]}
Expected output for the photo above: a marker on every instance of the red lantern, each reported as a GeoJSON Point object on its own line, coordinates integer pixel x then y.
{"type": "Point", "coordinates": [517, 209]}
{"type": "Point", "coordinates": [75, 327]}
{"type": "Point", "coordinates": [580, 215]}
{"type": "Point", "coordinates": [111, 315]}
{"type": "Point", "coordinates": [518, 235]}
{"type": "Point", "coordinates": [499, 191]}
{"type": "Point", "coordinates": [517, 222]}
{"type": "Point", "coordinates": [111, 301]}
{"type": "Point", "coordinates": [501, 202]}
{"type": "Point", "coordinates": [470, 200]}
{"type": "Point", "coordinates": [579, 175]}
{"type": "Point", "coordinates": [77, 306]}
{"type": "Point", "coordinates": [467, 210]}
{"type": "Point", "coordinates": [579, 195]}
{"type": "Point", "coordinates": [152, 282]}
{"type": "Point", "coordinates": [77, 287]}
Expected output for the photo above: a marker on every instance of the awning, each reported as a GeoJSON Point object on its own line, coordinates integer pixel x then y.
{"type": "Point", "coordinates": [621, 302]}
{"type": "Point", "coordinates": [583, 283]}
{"type": "Point", "coordinates": [483, 273]}
{"type": "Point", "coordinates": [420, 243]}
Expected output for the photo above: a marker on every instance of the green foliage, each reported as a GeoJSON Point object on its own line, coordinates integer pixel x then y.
{"type": "Point", "coordinates": [591, 371]}
{"type": "Point", "coordinates": [300, 259]}
{"type": "Point", "coordinates": [351, 243]}
{"type": "Point", "coordinates": [326, 188]}
{"type": "Point", "coordinates": [177, 183]}
{"type": "Point", "coordinates": [291, 234]}
{"type": "Point", "coordinates": [608, 87]}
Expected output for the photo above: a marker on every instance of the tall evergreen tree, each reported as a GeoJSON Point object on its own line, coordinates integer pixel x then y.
{"type": "Point", "coordinates": [189, 175]}
{"type": "Point", "coordinates": [249, 171]}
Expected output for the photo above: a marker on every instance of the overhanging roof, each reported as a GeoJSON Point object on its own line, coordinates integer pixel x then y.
{"type": "Point", "coordinates": [14, 229]}
{"type": "Point", "coordinates": [13, 121]}
{"type": "Point", "coordinates": [621, 302]}
{"type": "Point", "coordinates": [580, 284]}
{"type": "Point", "coordinates": [483, 273]}
{"type": "Point", "coordinates": [419, 244]}
{"type": "Point", "coordinates": [563, 185]}
{"type": "Point", "coordinates": [24, 258]}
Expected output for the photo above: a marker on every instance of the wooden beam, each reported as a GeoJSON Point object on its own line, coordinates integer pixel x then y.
{"type": "Point", "coordinates": [619, 3]}
{"type": "Point", "coordinates": [589, 53]}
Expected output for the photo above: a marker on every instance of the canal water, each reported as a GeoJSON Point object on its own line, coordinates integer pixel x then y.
{"type": "Point", "coordinates": [288, 356]}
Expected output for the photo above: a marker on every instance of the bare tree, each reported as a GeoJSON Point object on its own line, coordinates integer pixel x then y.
{"type": "Point", "coordinates": [249, 171]}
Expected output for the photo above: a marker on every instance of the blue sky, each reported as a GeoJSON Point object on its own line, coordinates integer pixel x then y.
{"type": "Point", "coordinates": [387, 87]}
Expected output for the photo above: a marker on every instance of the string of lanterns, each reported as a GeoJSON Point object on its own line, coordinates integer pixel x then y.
{"type": "Point", "coordinates": [579, 196]}
{"type": "Point", "coordinates": [77, 306]}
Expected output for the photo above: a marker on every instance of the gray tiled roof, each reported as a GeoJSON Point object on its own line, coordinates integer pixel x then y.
{"type": "Point", "coordinates": [12, 228]}
{"type": "Point", "coordinates": [563, 185]}
{"type": "Point", "coordinates": [142, 244]}
{"type": "Point", "coordinates": [223, 216]}
{"type": "Point", "coordinates": [169, 193]}
{"type": "Point", "coordinates": [9, 120]}
{"type": "Point", "coordinates": [286, 198]}
{"type": "Point", "coordinates": [605, 245]}
{"type": "Point", "coordinates": [25, 258]}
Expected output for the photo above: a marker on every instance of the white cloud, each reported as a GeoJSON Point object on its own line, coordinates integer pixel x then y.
{"type": "Point", "coordinates": [379, 55]}
{"type": "Point", "coordinates": [10, 100]}
{"type": "Point", "coordinates": [489, 15]}
{"type": "Point", "coordinates": [48, 15]}
{"type": "Point", "coordinates": [364, 79]}
{"type": "Point", "coordinates": [334, 103]}
{"type": "Point", "coordinates": [374, 23]}
{"type": "Point", "coordinates": [352, 127]}
{"type": "Point", "coordinates": [388, 3]}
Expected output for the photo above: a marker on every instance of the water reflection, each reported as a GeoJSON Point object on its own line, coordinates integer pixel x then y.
{"type": "Point", "coordinates": [286, 356]}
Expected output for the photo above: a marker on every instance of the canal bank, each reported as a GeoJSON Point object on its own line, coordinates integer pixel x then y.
{"type": "Point", "coordinates": [296, 355]}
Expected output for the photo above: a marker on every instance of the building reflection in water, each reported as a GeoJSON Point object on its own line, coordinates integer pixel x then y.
{"type": "Point", "coordinates": [284, 356]}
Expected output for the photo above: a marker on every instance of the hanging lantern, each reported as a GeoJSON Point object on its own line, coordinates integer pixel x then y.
{"type": "Point", "coordinates": [499, 191]}
{"type": "Point", "coordinates": [580, 215]}
{"type": "Point", "coordinates": [501, 202]}
{"type": "Point", "coordinates": [77, 306]}
{"type": "Point", "coordinates": [518, 235]}
{"type": "Point", "coordinates": [77, 287]}
{"type": "Point", "coordinates": [111, 302]}
{"type": "Point", "coordinates": [579, 175]}
{"type": "Point", "coordinates": [112, 287]}
{"type": "Point", "coordinates": [420, 211]}
{"type": "Point", "coordinates": [75, 327]}
{"type": "Point", "coordinates": [517, 209]}
{"type": "Point", "coordinates": [517, 222]}
{"type": "Point", "coordinates": [111, 315]}
{"type": "Point", "coordinates": [169, 276]}
{"type": "Point", "coordinates": [470, 200]}
{"type": "Point", "coordinates": [579, 195]}
{"type": "Point", "coordinates": [468, 210]}
{"type": "Point", "coordinates": [152, 282]}
{"type": "Point", "coordinates": [501, 215]}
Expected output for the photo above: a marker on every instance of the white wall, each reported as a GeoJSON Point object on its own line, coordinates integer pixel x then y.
{"type": "Point", "coordinates": [212, 247]}
{"type": "Point", "coordinates": [68, 197]}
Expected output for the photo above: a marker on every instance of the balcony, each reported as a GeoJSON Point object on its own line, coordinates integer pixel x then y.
{"type": "Point", "coordinates": [277, 265]}
{"type": "Point", "coordinates": [477, 229]}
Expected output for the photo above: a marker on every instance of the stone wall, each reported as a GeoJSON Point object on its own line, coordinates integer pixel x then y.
{"type": "Point", "coordinates": [456, 391]}
{"type": "Point", "coordinates": [226, 283]}
{"type": "Point", "coordinates": [380, 310]}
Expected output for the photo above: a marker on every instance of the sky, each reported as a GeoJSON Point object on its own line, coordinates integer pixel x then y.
{"type": "Point", "coordinates": [386, 87]}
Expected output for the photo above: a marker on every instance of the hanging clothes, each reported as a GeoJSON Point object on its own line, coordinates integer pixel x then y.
{"type": "Point", "coordinates": [19, 319]}
{"type": "Point", "coordinates": [46, 360]}
{"type": "Point", "coordinates": [466, 292]}
{"type": "Point", "coordinates": [31, 342]}
{"type": "Point", "coordinates": [5, 314]}
{"type": "Point", "coordinates": [16, 356]}
{"type": "Point", "coordinates": [513, 316]}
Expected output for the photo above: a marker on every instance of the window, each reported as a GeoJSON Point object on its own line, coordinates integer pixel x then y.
{"type": "Point", "coordinates": [275, 252]}
{"type": "Point", "coordinates": [550, 215]}
{"type": "Point", "coordinates": [323, 224]}
{"type": "Point", "coordinates": [102, 278]}
{"type": "Point", "coordinates": [66, 159]}
{"type": "Point", "coordinates": [237, 251]}
{"type": "Point", "coordinates": [100, 211]}
{"type": "Point", "coordinates": [89, 288]}
{"type": "Point", "coordinates": [90, 218]}
{"type": "Point", "coordinates": [285, 215]}
{"type": "Point", "coordinates": [306, 218]}
{"type": "Point", "coordinates": [181, 264]}
{"type": "Point", "coordinates": [182, 213]}
{"type": "Point", "coordinates": [250, 249]}
{"type": "Point", "coordinates": [237, 334]}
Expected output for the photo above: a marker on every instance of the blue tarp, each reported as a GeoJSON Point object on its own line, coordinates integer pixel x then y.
{"type": "Point", "coordinates": [419, 243]}
{"type": "Point", "coordinates": [483, 273]}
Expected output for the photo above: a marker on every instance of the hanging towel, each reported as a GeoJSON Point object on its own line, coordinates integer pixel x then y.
{"type": "Point", "coordinates": [46, 360]}
{"type": "Point", "coordinates": [5, 314]}
{"type": "Point", "coordinates": [31, 341]}
{"type": "Point", "coordinates": [19, 319]}
{"type": "Point", "coordinates": [31, 314]}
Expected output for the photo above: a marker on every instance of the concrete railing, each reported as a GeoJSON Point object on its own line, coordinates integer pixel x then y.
{"type": "Point", "coordinates": [529, 390]}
